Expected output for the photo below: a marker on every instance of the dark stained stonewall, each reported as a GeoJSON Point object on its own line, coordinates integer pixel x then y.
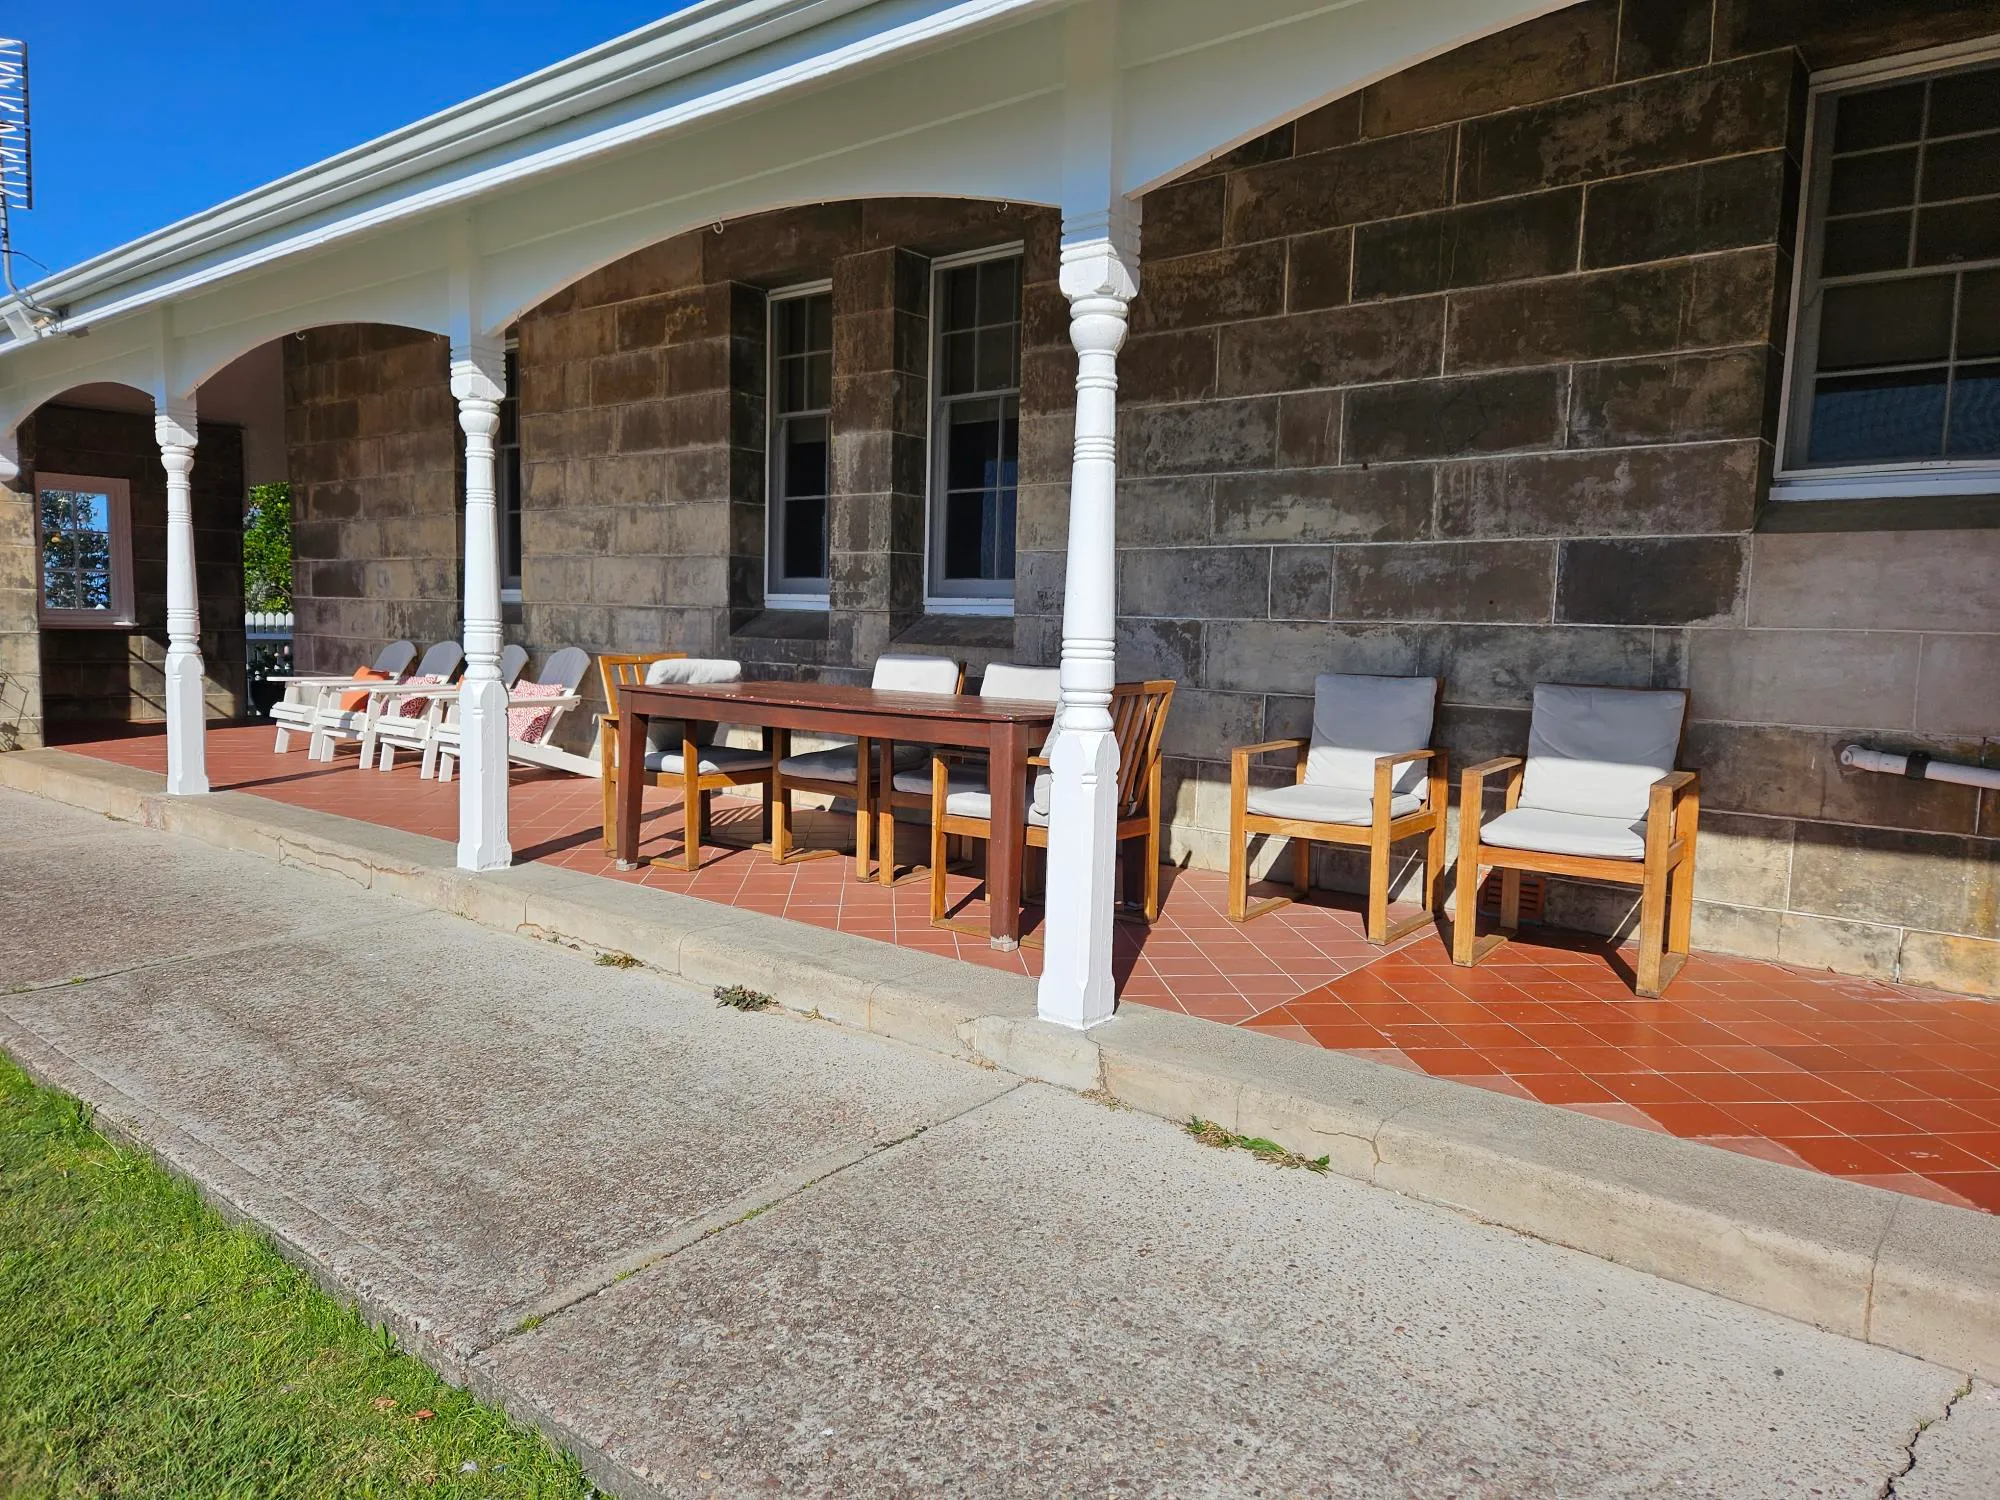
{"type": "Point", "coordinates": [1694, 580]}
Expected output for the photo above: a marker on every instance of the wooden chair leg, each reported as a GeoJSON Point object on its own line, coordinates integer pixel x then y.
{"type": "Point", "coordinates": [1239, 862]}
{"type": "Point", "coordinates": [1465, 920]}
{"type": "Point", "coordinates": [779, 798]}
{"type": "Point", "coordinates": [694, 806]}
{"type": "Point", "coordinates": [1680, 907]}
{"type": "Point", "coordinates": [1434, 867]}
{"type": "Point", "coordinates": [1302, 853]}
{"type": "Point", "coordinates": [1652, 930]}
{"type": "Point", "coordinates": [937, 871]}
{"type": "Point", "coordinates": [1510, 901]}
{"type": "Point", "coordinates": [607, 766]}
{"type": "Point", "coordinates": [1378, 887]}
{"type": "Point", "coordinates": [1152, 857]}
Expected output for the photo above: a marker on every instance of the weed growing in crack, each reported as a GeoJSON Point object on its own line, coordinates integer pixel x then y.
{"type": "Point", "coordinates": [742, 997]}
{"type": "Point", "coordinates": [1211, 1134]}
{"type": "Point", "coordinates": [1104, 1097]}
{"type": "Point", "coordinates": [616, 960]}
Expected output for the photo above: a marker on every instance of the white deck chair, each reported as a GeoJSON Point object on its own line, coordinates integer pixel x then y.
{"type": "Point", "coordinates": [533, 711]}
{"type": "Point", "coordinates": [1598, 798]}
{"type": "Point", "coordinates": [409, 720]}
{"type": "Point", "coordinates": [301, 702]}
{"type": "Point", "coordinates": [834, 772]}
{"type": "Point", "coordinates": [332, 723]}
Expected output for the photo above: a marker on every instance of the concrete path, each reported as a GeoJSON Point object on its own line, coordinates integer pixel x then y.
{"type": "Point", "coordinates": [727, 1254]}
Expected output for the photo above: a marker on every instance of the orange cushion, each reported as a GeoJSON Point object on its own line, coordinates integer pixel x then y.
{"type": "Point", "coordinates": [355, 701]}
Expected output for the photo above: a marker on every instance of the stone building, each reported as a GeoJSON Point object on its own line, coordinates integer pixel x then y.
{"type": "Point", "coordinates": [1652, 343]}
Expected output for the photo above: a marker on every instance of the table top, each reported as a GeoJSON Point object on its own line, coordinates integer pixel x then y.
{"type": "Point", "coordinates": [841, 698]}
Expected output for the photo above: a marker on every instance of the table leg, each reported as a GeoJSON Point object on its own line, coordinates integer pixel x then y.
{"type": "Point", "coordinates": [1006, 770]}
{"type": "Point", "coordinates": [863, 823]}
{"type": "Point", "coordinates": [631, 784]}
{"type": "Point", "coordinates": [885, 815]}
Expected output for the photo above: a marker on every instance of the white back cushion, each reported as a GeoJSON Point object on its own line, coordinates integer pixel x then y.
{"type": "Point", "coordinates": [1596, 750]}
{"type": "Point", "coordinates": [1026, 684]}
{"type": "Point", "coordinates": [664, 735]}
{"type": "Point", "coordinates": [915, 674]}
{"type": "Point", "coordinates": [1358, 718]}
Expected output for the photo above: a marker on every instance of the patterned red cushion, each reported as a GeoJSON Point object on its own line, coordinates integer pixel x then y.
{"type": "Point", "coordinates": [530, 724]}
{"type": "Point", "coordinates": [415, 708]}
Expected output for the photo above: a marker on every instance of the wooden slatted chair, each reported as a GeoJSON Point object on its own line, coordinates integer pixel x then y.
{"type": "Point", "coordinates": [1597, 798]}
{"type": "Point", "coordinates": [834, 772]}
{"type": "Point", "coordinates": [961, 802]}
{"type": "Point", "coordinates": [676, 754]}
{"type": "Point", "coordinates": [615, 670]}
{"type": "Point", "coordinates": [1367, 777]}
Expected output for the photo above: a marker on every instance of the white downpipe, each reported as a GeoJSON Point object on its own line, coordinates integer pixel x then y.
{"type": "Point", "coordinates": [175, 429]}
{"type": "Point", "coordinates": [1861, 758]}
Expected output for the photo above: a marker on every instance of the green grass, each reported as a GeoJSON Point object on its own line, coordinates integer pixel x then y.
{"type": "Point", "coordinates": [149, 1349]}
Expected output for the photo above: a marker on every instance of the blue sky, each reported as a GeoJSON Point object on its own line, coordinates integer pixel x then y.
{"type": "Point", "coordinates": [146, 113]}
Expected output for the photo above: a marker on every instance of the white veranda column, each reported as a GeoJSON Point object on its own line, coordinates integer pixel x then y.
{"type": "Point", "coordinates": [1100, 277]}
{"type": "Point", "coordinates": [187, 719]}
{"type": "Point", "coordinates": [478, 373]}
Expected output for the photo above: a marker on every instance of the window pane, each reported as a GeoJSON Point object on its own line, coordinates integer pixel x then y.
{"type": "Point", "coordinates": [1886, 323]}
{"type": "Point", "coordinates": [819, 321]}
{"type": "Point", "coordinates": [973, 445]}
{"type": "Point", "coordinates": [1960, 169]}
{"type": "Point", "coordinates": [788, 325]}
{"type": "Point", "coordinates": [1882, 179]}
{"type": "Point", "coordinates": [996, 359]}
{"type": "Point", "coordinates": [1966, 101]}
{"type": "Point", "coordinates": [1959, 231]}
{"type": "Point", "coordinates": [960, 300]}
{"type": "Point", "coordinates": [1880, 117]}
{"type": "Point", "coordinates": [1979, 314]}
{"type": "Point", "coordinates": [1975, 413]}
{"type": "Point", "coordinates": [804, 457]}
{"type": "Point", "coordinates": [1880, 242]}
{"type": "Point", "coordinates": [996, 290]}
{"type": "Point", "coordinates": [958, 360]}
{"type": "Point", "coordinates": [982, 441]}
{"type": "Point", "coordinates": [1878, 418]}
{"type": "Point", "coordinates": [76, 549]}
{"type": "Point", "coordinates": [818, 382]}
{"type": "Point", "coordinates": [804, 557]}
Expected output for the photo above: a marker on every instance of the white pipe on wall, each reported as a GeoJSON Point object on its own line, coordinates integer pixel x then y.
{"type": "Point", "coordinates": [1919, 767]}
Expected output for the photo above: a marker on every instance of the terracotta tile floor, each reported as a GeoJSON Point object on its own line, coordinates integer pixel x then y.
{"type": "Point", "coordinates": [1880, 1083]}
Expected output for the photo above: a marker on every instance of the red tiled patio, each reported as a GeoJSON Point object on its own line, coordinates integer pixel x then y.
{"type": "Point", "coordinates": [1879, 1083]}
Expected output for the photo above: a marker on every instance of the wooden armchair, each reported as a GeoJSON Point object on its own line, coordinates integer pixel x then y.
{"type": "Point", "coordinates": [1597, 798]}
{"type": "Point", "coordinates": [961, 803]}
{"type": "Point", "coordinates": [1367, 777]}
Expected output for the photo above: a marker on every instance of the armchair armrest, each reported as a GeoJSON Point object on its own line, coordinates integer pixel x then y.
{"type": "Point", "coordinates": [1268, 747]}
{"type": "Point", "coordinates": [1488, 768]}
{"type": "Point", "coordinates": [1472, 791]}
{"type": "Point", "coordinates": [1038, 760]}
{"type": "Point", "coordinates": [1664, 797]}
{"type": "Point", "coordinates": [1403, 757]}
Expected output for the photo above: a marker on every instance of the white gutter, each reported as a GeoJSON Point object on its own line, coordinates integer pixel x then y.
{"type": "Point", "coordinates": [703, 37]}
{"type": "Point", "coordinates": [1919, 767]}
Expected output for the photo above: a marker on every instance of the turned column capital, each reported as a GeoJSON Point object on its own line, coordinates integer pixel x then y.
{"type": "Point", "coordinates": [176, 430]}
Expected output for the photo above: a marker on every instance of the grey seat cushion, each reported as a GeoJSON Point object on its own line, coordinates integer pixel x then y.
{"type": "Point", "coordinates": [1546, 831]}
{"type": "Point", "coordinates": [967, 796]}
{"type": "Point", "coordinates": [1597, 751]}
{"type": "Point", "coordinates": [1327, 804]}
{"type": "Point", "coordinates": [709, 759]}
{"type": "Point", "coordinates": [837, 764]}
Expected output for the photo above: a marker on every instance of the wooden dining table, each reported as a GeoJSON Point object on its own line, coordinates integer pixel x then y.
{"type": "Point", "coordinates": [1005, 729]}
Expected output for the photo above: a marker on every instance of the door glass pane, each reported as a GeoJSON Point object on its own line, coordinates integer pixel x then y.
{"type": "Point", "coordinates": [1975, 413]}
{"type": "Point", "coordinates": [1886, 323]}
{"type": "Point", "coordinates": [1878, 418]}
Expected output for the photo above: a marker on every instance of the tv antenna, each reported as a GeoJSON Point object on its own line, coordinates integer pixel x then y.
{"type": "Point", "coordinates": [17, 171]}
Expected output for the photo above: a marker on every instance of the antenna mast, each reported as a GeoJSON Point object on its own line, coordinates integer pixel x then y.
{"type": "Point", "coordinates": [17, 168]}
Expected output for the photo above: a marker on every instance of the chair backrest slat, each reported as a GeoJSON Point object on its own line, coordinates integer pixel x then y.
{"type": "Point", "coordinates": [1597, 750]}
{"type": "Point", "coordinates": [565, 669]}
{"type": "Point", "coordinates": [442, 661]}
{"type": "Point", "coordinates": [395, 658]}
{"type": "Point", "coordinates": [627, 670]}
{"type": "Point", "coordinates": [513, 662]}
{"type": "Point", "coordinates": [1138, 720]}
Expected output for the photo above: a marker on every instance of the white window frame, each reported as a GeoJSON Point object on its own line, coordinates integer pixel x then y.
{"type": "Point", "coordinates": [991, 605]}
{"type": "Point", "coordinates": [780, 599]}
{"type": "Point", "coordinates": [510, 593]}
{"type": "Point", "coordinates": [1794, 479]}
{"type": "Point", "coordinates": [121, 615]}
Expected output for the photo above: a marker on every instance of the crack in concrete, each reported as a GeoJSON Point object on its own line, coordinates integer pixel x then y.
{"type": "Point", "coordinates": [228, 950]}
{"type": "Point", "coordinates": [741, 1209]}
{"type": "Point", "coordinates": [1894, 1482]}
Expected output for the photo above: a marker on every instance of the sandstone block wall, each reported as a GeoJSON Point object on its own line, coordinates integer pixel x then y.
{"type": "Point", "coordinates": [20, 632]}
{"type": "Point", "coordinates": [118, 676]}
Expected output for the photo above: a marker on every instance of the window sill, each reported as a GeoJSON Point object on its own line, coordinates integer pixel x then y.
{"type": "Point", "coordinates": [1906, 482]}
{"type": "Point", "coordinates": [1890, 511]}
{"type": "Point", "coordinates": [784, 625]}
{"type": "Point", "coordinates": [999, 607]}
{"type": "Point", "coordinates": [989, 632]}
{"type": "Point", "coordinates": [87, 622]}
